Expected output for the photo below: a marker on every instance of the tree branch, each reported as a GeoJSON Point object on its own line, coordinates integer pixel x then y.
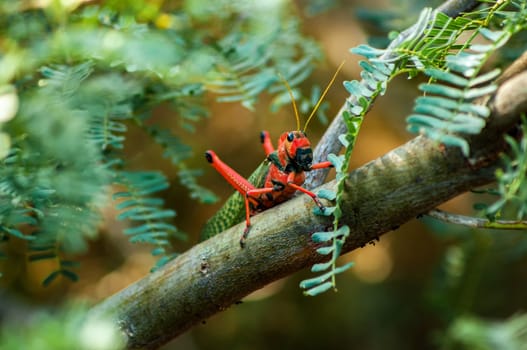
{"type": "Point", "coordinates": [379, 197]}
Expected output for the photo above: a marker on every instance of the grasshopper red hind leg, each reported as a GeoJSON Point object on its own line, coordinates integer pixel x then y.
{"type": "Point", "coordinates": [251, 194]}
{"type": "Point", "coordinates": [242, 185]}
{"type": "Point", "coordinates": [237, 181]}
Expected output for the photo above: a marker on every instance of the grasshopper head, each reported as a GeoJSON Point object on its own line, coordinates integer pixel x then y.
{"type": "Point", "coordinates": [297, 147]}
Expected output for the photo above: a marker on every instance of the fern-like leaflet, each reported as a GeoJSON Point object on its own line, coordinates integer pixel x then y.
{"type": "Point", "coordinates": [422, 47]}
{"type": "Point", "coordinates": [512, 179]}
{"type": "Point", "coordinates": [448, 110]}
{"type": "Point", "coordinates": [374, 80]}
{"type": "Point", "coordinates": [146, 211]}
{"type": "Point", "coordinates": [110, 101]}
{"type": "Point", "coordinates": [250, 65]}
{"type": "Point", "coordinates": [178, 152]}
{"type": "Point", "coordinates": [51, 188]}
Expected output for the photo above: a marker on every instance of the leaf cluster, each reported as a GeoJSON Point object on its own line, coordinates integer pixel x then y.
{"type": "Point", "coordinates": [511, 181]}
{"type": "Point", "coordinates": [86, 78]}
{"type": "Point", "coordinates": [451, 106]}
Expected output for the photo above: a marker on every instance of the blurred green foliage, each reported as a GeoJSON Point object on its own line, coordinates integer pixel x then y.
{"type": "Point", "coordinates": [86, 74]}
{"type": "Point", "coordinates": [61, 330]}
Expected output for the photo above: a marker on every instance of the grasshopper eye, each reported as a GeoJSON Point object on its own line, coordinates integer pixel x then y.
{"type": "Point", "coordinates": [290, 137]}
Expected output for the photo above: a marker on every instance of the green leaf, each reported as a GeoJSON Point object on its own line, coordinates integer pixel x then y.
{"type": "Point", "coordinates": [150, 236]}
{"type": "Point", "coordinates": [432, 110]}
{"type": "Point", "coordinates": [311, 282]}
{"type": "Point", "coordinates": [146, 213]}
{"type": "Point", "coordinates": [16, 233]}
{"type": "Point", "coordinates": [315, 281]}
{"type": "Point", "coordinates": [324, 236]}
{"type": "Point", "coordinates": [479, 92]}
{"type": "Point", "coordinates": [343, 231]}
{"type": "Point", "coordinates": [464, 124]}
{"type": "Point", "coordinates": [337, 161]}
{"type": "Point", "coordinates": [155, 238]}
{"type": "Point", "coordinates": [378, 74]}
{"type": "Point", "coordinates": [158, 251]}
{"type": "Point", "coordinates": [327, 194]}
{"type": "Point", "coordinates": [437, 101]}
{"type": "Point", "coordinates": [72, 276]}
{"type": "Point", "coordinates": [464, 62]}
{"type": "Point", "coordinates": [321, 267]}
{"type": "Point", "coordinates": [51, 277]}
{"type": "Point", "coordinates": [118, 195]}
{"type": "Point", "coordinates": [498, 37]}
{"type": "Point", "coordinates": [366, 51]}
{"type": "Point", "coordinates": [343, 268]}
{"type": "Point", "coordinates": [480, 110]}
{"type": "Point", "coordinates": [355, 88]}
{"type": "Point", "coordinates": [343, 140]}
{"type": "Point", "coordinates": [69, 263]}
{"type": "Point", "coordinates": [139, 202]}
{"type": "Point", "coordinates": [482, 48]}
{"type": "Point", "coordinates": [42, 256]}
{"type": "Point", "coordinates": [447, 77]}
{"type": "Point", "coordinates": [450, 140]}
{"type": "Point", "coordinates": [325, 250]}
{"type": "Point", "coordinates": [147, 227]}
{"type": "Point", "coordinates": [319, 289]}
{"type": "Point", "coordinates": [328, 211]}
{"type": "Point", "coordinates": [442, 90]}
{"type": "Point", "coordinates": [484, 78]}
{"type": "Point", "coordinates": [357, 110]}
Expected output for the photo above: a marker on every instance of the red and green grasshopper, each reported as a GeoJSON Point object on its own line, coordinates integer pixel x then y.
{"type": "Point", "coordinates": [275, 181]}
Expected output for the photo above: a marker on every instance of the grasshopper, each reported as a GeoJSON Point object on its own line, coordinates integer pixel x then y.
{"type": "Point", "coordinates": [276, 180]}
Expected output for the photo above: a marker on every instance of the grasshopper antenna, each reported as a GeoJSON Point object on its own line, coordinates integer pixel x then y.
{"type": "Point", "coordinates": [292, 100]}
{"type": "Point", "coordinates": [323, 95]}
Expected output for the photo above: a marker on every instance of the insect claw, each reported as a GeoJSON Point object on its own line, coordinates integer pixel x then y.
{"type": "Point", "coordinates": [319, 204]}
{"type": "Point", "coordinates": [244, 236]}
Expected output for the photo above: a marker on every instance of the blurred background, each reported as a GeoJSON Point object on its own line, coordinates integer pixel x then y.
{"type": "Point", "coordinates": [427, 285]}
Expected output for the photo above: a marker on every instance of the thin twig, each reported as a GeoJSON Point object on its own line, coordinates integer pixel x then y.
{"type": "Point", "coordinates": [473, 222]}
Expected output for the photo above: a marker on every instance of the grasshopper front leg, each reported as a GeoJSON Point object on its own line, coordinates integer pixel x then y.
{"type": "Point", "coordinates": [291, 183]}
